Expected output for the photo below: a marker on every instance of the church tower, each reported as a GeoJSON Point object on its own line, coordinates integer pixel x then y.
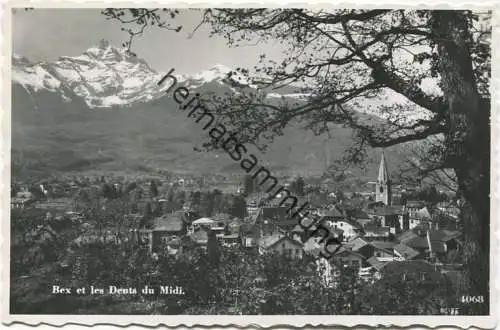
{"type": "Point", "coordinates": [383, 186]}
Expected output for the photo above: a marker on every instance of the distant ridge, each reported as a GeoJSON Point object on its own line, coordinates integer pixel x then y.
{"type": "Point", "coordinates": [103, 111]}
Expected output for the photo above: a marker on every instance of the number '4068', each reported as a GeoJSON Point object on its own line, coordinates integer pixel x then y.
{"type": "Point", "coordinates": [472, 299]}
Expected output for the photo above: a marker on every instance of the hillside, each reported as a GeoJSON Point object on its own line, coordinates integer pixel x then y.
{"type": "Point", "coordinates": [58, 128]}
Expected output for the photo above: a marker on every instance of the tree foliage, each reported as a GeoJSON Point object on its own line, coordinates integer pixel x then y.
{"type": "Point", "coordinates": [153, 189]}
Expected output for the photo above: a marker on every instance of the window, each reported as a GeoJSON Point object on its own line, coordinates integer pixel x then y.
{"type": "Point", "coordinates": [378, 254]}
{"type": "Point", "coordinates": [381, 189]}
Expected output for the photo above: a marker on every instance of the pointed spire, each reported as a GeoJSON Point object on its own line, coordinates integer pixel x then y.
{"type": "Point", "coordinates": [383, 174]}
{"type": "Point", "coordinates": [103, 44]}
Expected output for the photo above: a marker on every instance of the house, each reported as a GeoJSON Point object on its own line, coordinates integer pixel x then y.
{"type": "Point", "coordinates": [414, 205]}
{"type": "Point", "coordinates": [252, 209]}
{"type": "Point", "coordinates": [335, 232]}
{"type": "Point", "coordinates": [286, 225]}
{"type": "Point", "coordinates": [256, 199]}
{"type": "Point", "coordinates": [133, 220]}
{"type": "Point", "coordinates": [317, 249]}
{"type": "Point", "coordinates": [356, 243]}
{"type": "Point", "coordinates": [234, 227]}
{"type": "Point", "coordinates": [444, 241]}
{"type": "Point", "coordinates": [329, 270]}
{"type": "Point", "coordinates": [282, 245]}
{"type": "Point", "coordinates": [359, 216]}
{"type": "Point", "coordinates": [106, 236]}
{"type": "Point", "coordinates": [326, 271]}
{"type": "Point", "coordinates": [324, 232]}
{"type": "Point", "coordinates": [249, 235]}
{"type": "Point", "coordinates": [75, 217]}
{"type": "Point", "coordinates": [203, 223]}
{"type": "Point", "coordinates": [449, 208]}
{"type": "Point", "coordinates": [382, 250]}
{"type": "Point", "coordinates": [446, 221]}
{"type": "Point", "coordinates": [375, 232]}
{"type": "Point", "coordinates": [271, 218]}
{"type": "Point", "coordinates": [170, 224]}
{"type": "Point", "coordinates": [56, 204]}
{"type": "Point", "coordinates": [229, 240]}
{"type": "Point", "coordinates": [423, 213]}
{"type": "Point", "coordinates": [412, 223]}
{"type": "Point", "coordinates": [143, 237]}
{"type": "Point", "coordinates": [222, 219]}
{"type": "Point", "coordinates": [25, 193]}
{"type": "Point", "coordinates": [200, 238]}
{"type": "Point", "coordinates": [299, 234]}
{"type": "Point", "coordinates": [312, 225]}
{"type": "Point", "coordinates": [41, 234]}
{"type": "Point", "coordinates": [383, 245]}
{"type": "Point", "coordinates": [265, 241]}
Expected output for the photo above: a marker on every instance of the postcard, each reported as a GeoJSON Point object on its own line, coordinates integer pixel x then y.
{"type": "Point", "coordinates": [249, 165]}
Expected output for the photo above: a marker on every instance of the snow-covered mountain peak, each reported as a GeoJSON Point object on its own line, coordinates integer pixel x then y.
{"type": "Point", "coordinates": [104, 44]}
{"type": "Point", "coordinates": [220, 69]}
{"type": "Point", "coordinates": [107, 53]}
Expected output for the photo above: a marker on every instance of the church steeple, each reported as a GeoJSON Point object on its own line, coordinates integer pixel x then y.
{"type": "Point", "coordinates": [383, 186]}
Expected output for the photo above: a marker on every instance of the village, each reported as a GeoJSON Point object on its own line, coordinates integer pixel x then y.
{"type": "Point", "coordinates": [418, 240]}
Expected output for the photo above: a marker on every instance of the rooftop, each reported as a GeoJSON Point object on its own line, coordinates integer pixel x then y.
{"type": "Point", "coordinates": [383, 245]}
{"type": "Point", "coordinates": [200, 237]}
{"type": "Point", "coordinates": [415, 204]}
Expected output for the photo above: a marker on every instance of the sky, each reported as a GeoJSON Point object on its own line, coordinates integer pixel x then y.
{"type": "Point", "coordinates": [45, 34]}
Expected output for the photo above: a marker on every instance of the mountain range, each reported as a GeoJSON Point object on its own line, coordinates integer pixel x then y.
{"type": "Point", "coordinates": [104, 111]}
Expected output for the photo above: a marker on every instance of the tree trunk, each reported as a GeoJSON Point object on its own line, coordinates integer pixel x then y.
{"type": "Point", "coordinates": [468, 149]}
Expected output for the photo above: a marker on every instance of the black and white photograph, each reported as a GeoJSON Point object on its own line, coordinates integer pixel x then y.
{"type": "Point", "coordinates": [246, 162]}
